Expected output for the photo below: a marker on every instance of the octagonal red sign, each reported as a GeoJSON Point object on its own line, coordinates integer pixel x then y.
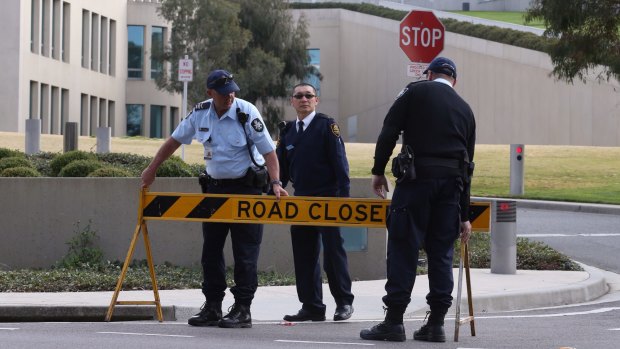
{"type": "Point", "coordinates": [421, 36]}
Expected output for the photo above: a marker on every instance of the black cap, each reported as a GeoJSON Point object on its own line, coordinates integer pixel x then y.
{"type": "Point", "coordinates": [442, 65]}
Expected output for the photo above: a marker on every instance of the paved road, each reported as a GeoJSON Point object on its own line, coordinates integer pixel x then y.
{"type": "Point", "coordinates": [591, 326]}
{"type": "Point", "coordinates": [590, 238]}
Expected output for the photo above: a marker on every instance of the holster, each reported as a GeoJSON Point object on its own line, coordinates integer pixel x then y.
{"type": "Point", "coordinates": [203, 180]}
{"type": "Point", "coordinates": [402, 165]}
{"type": "Point", "coordinates": [258, 178]}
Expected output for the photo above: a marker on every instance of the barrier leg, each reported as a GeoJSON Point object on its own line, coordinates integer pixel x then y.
{"type": "Point", "coordinates": [121, 278]}
{"type": "Point", "coordinates": [469, 296]}
{"type": "Point", "coordinates": [464, 264]}
{"type": "Point", "coordinates": [149, 259]}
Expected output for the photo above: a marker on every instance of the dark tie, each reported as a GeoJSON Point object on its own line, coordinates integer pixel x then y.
{"type": "Point", "coordinates": [300, 127]}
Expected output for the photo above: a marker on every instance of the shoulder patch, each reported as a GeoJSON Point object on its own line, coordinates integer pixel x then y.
{"type": "Point", "coordinates": [257, 125]}
{"type": "Point", "coordinates": [202, 105]}
{"type": "Point", "coordinates": [335, 129]}
{"type": "Point", "coordinates": [402, 92]}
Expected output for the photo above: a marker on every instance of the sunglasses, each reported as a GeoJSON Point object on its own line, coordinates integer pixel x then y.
{"type": "Point", "coordinates": [307, 95]}
{"type": "Point", "coordinates": [223, 80]}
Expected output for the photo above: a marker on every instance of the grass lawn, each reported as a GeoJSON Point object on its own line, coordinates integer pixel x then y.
{"type": "Point", "coordinates": [565, 173]}
{"type": "Point", "coordinates": [510, 17]}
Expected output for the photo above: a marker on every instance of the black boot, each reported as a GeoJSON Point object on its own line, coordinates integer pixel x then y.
{"type": "Point", "coordinates": [433, 330]}
{"type": "Point", "coordinates": [238, 317]}
{"type": "Point", "coordinates": [391, 329]}
{"type": "Point", "coordinates": [210, 314]}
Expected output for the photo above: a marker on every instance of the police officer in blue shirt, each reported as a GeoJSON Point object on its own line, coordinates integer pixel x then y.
{"type": "Point", "coordinates": [313, 159]}
{"type": "Point", "coordinates": [430, 205]}
{"type": "Point", "coordinates": [236, 144]}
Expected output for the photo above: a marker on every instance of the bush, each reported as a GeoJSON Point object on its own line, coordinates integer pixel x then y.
{"type": "Point", "coordinates": [82, 249]}
{"type": "Point", "coordinates": [41, 161]}
{"type": "Point", "coordinates": [20, 172]}
{"type": "Point", "coordinates": [6, 153]}
{"type": "Point", "coordinates": [80, 168]}
{"type": "Point", "coordinates": [174, 167]}
{"type": "Point", "coordinates": [131, 162]}
{"type": "Point", "coordinates": [14, 161]}
{"type": "Point", "coordinates": [62, 160]}
{"type": "Point", "coordinates": [109, 171]}
{"type": "Point", "coordinates": [196, 169]}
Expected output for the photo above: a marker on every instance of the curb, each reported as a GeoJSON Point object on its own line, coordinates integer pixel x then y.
{"type": "Point", "coordinates": [28, 313]}
{"type": "Point", "coordinates": [587, 290]}
{"type": "Point", "coordinates": [559, 206]}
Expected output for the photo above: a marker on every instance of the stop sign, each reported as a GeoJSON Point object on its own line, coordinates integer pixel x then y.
{"type": "Point", "coordinates": [421, 36]}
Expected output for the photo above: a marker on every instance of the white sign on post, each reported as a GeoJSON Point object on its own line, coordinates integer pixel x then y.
{"type": "Point", "coordinates": [186, 69]}
{"type": "Point", "coordinates": [416, 69]}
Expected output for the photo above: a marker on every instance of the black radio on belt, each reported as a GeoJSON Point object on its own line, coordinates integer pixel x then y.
{"type": "Point", "coordinates": [402, 165]}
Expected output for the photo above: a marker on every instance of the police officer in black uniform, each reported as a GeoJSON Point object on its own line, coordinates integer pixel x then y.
{"type": "Point", "coordinates": [430, 205]}
{"type": "Point", "coordinates": [312, 157]}
{"type": "Point", "coordinates": [236, 146]}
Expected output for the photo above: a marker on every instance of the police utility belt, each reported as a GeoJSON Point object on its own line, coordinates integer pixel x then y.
{"type": "Point", "coordinates": [256, 178]}
{"type": "Point", "coordinates": [405, 167]}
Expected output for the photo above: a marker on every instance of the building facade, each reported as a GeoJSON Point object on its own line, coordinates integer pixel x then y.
{"type": "Point", "coordinates": [85, 61]}
{"type": "Point", "coordinates": [90, 62]}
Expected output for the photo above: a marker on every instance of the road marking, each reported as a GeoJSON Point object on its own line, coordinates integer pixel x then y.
{"type": "Point", "coordinates": [614, 329]}
{"type": "Point", "coordinates": [9, 328]}
{"type": "Point", "coordinates": [315, 342]}
{"type": "Point", "coordinates": [587, 312]}
{"type": "Point", "coordinates": [147, 334]}
{"type": "Point", "coordinates": [566, 235]}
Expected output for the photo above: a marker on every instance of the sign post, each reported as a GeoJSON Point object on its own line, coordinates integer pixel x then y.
{"type": "Point", "coordinates": [186, 72]}
{"type": "Point", "coordinates": [421, 39]}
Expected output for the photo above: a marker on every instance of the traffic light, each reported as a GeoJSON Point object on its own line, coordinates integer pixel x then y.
{"type": "Point", "coordinates": [517, 165]}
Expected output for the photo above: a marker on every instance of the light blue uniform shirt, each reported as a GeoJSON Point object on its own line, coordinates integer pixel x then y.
{"type": "Point", "coordinates": [226, 152]}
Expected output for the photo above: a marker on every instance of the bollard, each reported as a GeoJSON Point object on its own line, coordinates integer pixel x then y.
{"type": "Point", "coordinates": [71, 136]}
{"type": "Point", "coordinates": [104, 139]}
{"type": "Point", "coordinates": [504, 237]}
{"type": "Point", "coordinates": [33, 136]}
{"type": "Point", "coordinates": [517, 169]}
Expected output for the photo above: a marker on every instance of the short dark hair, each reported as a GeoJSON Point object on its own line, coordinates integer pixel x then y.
{"type": "Point", "coordinates": [305, 84]}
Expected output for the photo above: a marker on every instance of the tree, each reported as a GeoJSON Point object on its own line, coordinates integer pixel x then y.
{"type": "Point", "coordinates": [584, 33]}
{"type": "Point", "coordinates": [256, 40]}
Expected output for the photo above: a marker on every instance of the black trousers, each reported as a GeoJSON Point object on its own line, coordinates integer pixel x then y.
{"type": "Point", "coordinates": [306, 248]}
{"type": "Point", "coordinates": [246, 240]}
{"type": "Point", "coordinates": [423, 212]}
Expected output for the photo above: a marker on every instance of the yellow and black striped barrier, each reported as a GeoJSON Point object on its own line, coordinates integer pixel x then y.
{"type": "Point", "coordinates": [301, 210]}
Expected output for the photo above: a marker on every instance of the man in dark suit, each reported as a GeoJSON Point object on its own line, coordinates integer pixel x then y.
{"type": "Point", "coordinates": [430, 205]}
{"type": "Point", "coordinates": [312, 157]}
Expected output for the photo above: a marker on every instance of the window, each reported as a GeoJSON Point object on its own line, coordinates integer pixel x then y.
{"type": "Point", "coordinates": [174, 117]}
{"type": "Point", "coordinates": [66, 31]}
{"type": "Point", "coordinates": [135, 51]}
{"type": "Point", "coordinates": [314, 77]}
{"type": "Point", "coordinates": [85, 39]}
{"type": "Point", "coordinates": [134, 119]}
{"type": "Point", "coordinates": [157, 50]}
{"type": "Point", "coordinates": [157, 112]}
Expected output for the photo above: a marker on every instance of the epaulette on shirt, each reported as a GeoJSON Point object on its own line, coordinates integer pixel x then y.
{"type": "Point", "coordinates": [407, 87]}
{"type": "Point", "coordinates": [202, 105]}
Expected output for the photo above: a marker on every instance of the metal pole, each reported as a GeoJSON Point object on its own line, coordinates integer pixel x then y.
{"type": "Point", "coordinates": [184, 111]}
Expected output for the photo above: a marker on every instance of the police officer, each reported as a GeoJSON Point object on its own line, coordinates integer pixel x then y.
{"type": "Point", "coordinates": [313, 159]}
{"type": "Point", "coordinates": [234, 138]}
{"type": "Point", "coordinates": [430, 207]}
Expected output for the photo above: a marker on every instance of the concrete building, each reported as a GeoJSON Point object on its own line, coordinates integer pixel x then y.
{"type": "Point", "coordinates": [84, 61]}
{"type": "Point", "coordinates": [89, 62]}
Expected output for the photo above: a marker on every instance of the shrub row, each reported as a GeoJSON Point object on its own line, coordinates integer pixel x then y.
{"type": "Point", "coordinates": [492, 33]}
{"type": "Point", "coordinates": [77, 163]}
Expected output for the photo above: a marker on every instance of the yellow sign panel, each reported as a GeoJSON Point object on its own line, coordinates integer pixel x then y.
{"type": "Point", "coordinates": [265, 209]}
{"type": "Point", "coordinates": [480, 216]}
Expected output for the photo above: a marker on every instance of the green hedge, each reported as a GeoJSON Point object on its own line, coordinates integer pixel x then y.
{"type": "Point", "coordinates": [492, 33]}
{"type": "Point", "coordinates": [21, 171]}
{"type": "Point", "coordinates": [79, 163]}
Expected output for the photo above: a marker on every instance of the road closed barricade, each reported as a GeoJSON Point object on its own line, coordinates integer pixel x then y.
{"type": "Point", "coordinates": [301, 210]}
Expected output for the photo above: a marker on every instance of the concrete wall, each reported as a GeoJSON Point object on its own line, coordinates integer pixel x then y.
{"type": "Point", "coordinates": [509, 88]}
{"type": "Point", "coordinates": [51, 72]}
{"type": "Point", "coordinates": [38, 217]}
